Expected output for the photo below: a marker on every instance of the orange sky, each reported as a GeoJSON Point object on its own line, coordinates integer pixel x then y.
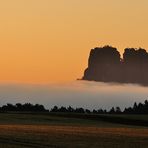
{"type": "Point", "coordinates": [43, 41]}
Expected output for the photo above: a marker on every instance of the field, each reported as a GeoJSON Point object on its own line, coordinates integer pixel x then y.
{"type": "Point", "coordinates": [22, 130]}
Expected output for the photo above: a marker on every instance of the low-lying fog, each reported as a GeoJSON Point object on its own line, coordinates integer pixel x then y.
{"type": "Point", "coordinates": [91, 95]}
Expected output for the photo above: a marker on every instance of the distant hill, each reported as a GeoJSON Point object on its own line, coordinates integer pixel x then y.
{"type": "Point", "coordinates": [106, 65]}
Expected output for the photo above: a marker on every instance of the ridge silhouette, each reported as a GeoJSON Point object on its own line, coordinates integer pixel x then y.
{"type": "Point", "coordinates": [106, 65]}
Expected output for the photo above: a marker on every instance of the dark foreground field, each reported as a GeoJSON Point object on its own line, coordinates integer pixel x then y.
{"type": "Point", "coordinates": [57, 131]}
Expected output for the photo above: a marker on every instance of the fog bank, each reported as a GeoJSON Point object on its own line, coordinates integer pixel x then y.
{"type": "Point", "coordinates": [91, 95]}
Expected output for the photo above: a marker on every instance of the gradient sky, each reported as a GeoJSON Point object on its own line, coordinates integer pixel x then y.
{"type": "Point", "coordinates": [43, 41]}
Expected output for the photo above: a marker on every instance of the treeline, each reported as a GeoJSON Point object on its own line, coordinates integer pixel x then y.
{"type": "Point", "coordinates": [137, 108]}
{"type": "Point", "coordinates": [141, 108]}
{"type": "Point", "coordinates": [27, 107]}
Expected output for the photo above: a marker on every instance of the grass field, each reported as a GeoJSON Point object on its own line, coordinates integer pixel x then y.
{"type": "Point", "coordinates": [56, 131]}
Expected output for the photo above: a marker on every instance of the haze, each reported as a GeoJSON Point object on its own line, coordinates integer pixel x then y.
{"type": "Point", "coordinates": [91, 95]}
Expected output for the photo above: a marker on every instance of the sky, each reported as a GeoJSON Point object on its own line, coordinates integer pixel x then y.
{"type": "Point", "coordinates": [48, 41]}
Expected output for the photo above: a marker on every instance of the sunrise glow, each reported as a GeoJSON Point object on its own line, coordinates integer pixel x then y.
{"type": "Point", "coordinates": [49, 40]}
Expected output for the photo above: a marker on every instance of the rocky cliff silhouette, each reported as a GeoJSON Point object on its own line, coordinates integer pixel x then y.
{"type": "Point", "coordinates": [106, 65]}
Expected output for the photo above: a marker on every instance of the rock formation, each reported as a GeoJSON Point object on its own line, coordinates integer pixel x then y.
{"type": "Point", "coordinates": [105, 65]}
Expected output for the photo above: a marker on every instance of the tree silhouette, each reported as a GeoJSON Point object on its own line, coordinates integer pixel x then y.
{"type": "Point", "coordinates": [27, 107]}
